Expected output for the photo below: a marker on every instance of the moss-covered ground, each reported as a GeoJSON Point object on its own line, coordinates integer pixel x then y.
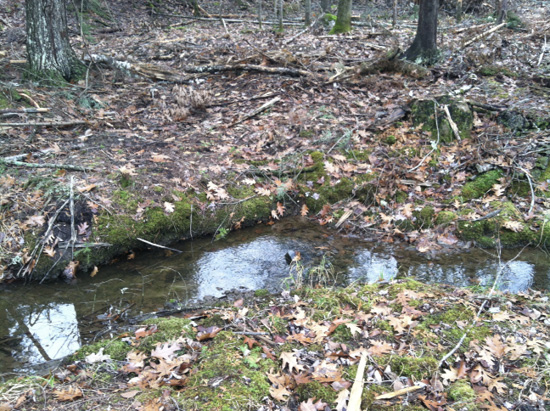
{"type": "Point", "coordinates": [444, 345]}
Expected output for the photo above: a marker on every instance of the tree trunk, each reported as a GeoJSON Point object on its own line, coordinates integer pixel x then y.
{"type": "Point", "coordinates": [343, 18]}
{"type": "Point", "coordinates": [394, 16]}
{"type": "Point", "coordinates": [49, 50]}
{"type": "Point", "coordinates": [279, 5]}
{"type": "Point", "coordinates": [424, 46]}
{"type": "Point", "coordinates": [325, 6]}
{"type": "Point", "coordinates": [459, 11]}
{"type": "Point", "coordinates": [502, 11]}
{"type": "Point", "coordinates": [308, 13]}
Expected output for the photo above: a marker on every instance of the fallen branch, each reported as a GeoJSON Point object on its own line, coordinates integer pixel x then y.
{"type": "Point", "coordinates": [354, 403]}
{"type": "Point", "coordinates": [248, 67]}
{"type": "Point", "coordinates": [451, 122]}
{"type": "Point", "coordinates": [264, 107]}
{"type": "Point", "coordinates": [44, 165]}
{"type": "Point", "coordinates": [402, 391]}
{"type": "Point", "coordinates": [24, 110]}
{"type": "Point", "coordinates": [158, 245]}
{"type": "Point", "coordinates": [484, 34]}
{"type": "Point", "coordinates": [45, 124]}
{"type": "Point", "coordinates": [164, 74]}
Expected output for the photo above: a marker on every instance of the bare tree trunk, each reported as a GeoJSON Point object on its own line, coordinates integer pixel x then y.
{"type": "Point", "coordinates": [260, 13]}
{"type": "Point", "coordinates": [394, 19]}
{"type": "Point", "coordinates": [343, 18]}
{"type": "Point", "coordinates": [325, 6]}
{"type": "Point", "coordinates": [424, 46]}
{"type": "Point", "coordinates": [502, 11]}
{"type": "Point", "coordinates": [279, 4]}
{"type": "Point", "coordinates": [308, 13]}
{"type": "Point", "coordinates": [48, 47]}
{"type": "Point", "coordinates": [459, 11]}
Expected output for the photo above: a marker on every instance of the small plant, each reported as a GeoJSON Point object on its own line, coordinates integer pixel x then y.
{"type": "Point", "coordinates": [222, 233]}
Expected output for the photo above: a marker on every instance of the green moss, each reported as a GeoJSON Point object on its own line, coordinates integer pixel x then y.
{"type": "Point", "coordinates": [413, 367]}
{"type": "Point", "coordinates": [115, 348]}
{"type": "Point", "coordinates": [215, 320]}
{"type": "Point", "coordinates": [317, 391]}
{"type": "Point", "coordinates": [445, 217]}
{"type": "Point", "coordinates": [390, 140]}
{"type": "Point", "coordinates": [168, 329]}
{"type": "Point", "coordinates": [244, 383]}
{"type": "Point", "coordinates": [424, 217]}
{"type": "Point", "coordinates": [342, 334]}
{"type": "Point", "coordinates": [461, 390]}
{"type": "Point", "coordinates": [423, 112]}
{"type": "Point", "coordinates": [481, 185]}
{"type": "Point", "coordinates": [261, 293]}
{"type": "Point", "coordinates": [359, 155]}
{"type": "Point", "coordinates": [492, 70]}
{"type": "Point", "coordinates": [401, 197]}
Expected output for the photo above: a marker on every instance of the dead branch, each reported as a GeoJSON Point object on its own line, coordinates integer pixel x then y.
{"type": "Point", "coordinates": [406, 390]}
{"type": "Point", "coordinates": [10, 162]}
{"type": "Point", "coordinates": [257, 111]}
{"type": "Point", "coordinates": [46, 124]}
{"type": "Point", "coordinates": [24, 110]}
{"type": "Point", "coordinates": [248, 67]}
{"type": "Point", "coordinates": [158, 245]}
{"type": "Point", "coordinates": [164, 74]}
{"type": "Point", "coordinates": [451, 122]}
{"type": "Point", "coordinates": [484, 34]}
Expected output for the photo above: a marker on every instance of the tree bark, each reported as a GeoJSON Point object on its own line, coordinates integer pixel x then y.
{"type": "Point", "coordinates": [48, 47]}
{"type": "Point", "coordinates": [325, 6]}
{"type": "Point", "coordinates": [343, 18]}
{"type": "Point", "coordinates": [307, 13]}
{"type": "Point", "coordinates": [424, 46]}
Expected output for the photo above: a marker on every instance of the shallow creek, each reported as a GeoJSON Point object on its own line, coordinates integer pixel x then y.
{"type": "Point", "coordinates": [41, 323]}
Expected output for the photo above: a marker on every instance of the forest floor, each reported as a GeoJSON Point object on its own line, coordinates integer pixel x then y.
{"type": "Point", "coordinates": [220, 124]}
{"type": "Point", "coordinates": [402, 345]}
{"type": "Point", "coordinates": [162, 161]}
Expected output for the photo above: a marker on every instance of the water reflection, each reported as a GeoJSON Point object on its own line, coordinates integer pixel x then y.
{"type": "Point", "coordinates": [43, 322]}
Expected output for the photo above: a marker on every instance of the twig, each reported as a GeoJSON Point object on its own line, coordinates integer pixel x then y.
{"type": "Point", "coordinates": [24, 110]}
{"type": "Point", "coordinates": [406, 390]}
{"type": "Point", "coordinates": [264, 107]}
{"type": "Point", "coordinates": [158, 245]}
{"type": "Point", "coordinates": [480, 36]}
{"type": "Point", "coordinates": [542, 52]}
{"type": "Point", "coordinates": [354, 403]}
{"type": "Point", "coordinates": [45, 124]}
{"type": "Point", "coordinates": [451, 122]}
{"type": "Point", "coordinates": [487, 297]}
{"type": "Point", "coordinates": [44, 165]}
{"type": "Point", "coordinates": [304, 30]}
{"type": "Point", "coordinates": [40, 244]}
{"type": "Point", "coordinates": [434, 146]}
{"type": "Point", "coordinates": [531, 187]}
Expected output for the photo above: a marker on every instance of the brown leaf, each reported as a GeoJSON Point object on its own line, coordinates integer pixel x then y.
{"type": "Point", "coordinates": [304, 211]}
{"type": "Point", "coordinates": [280, 209]}
{"type": "Point", "coordinates": [291, 361]}
{"type": "Point", "coordinates": [165, 351]}
{"type": "Point", "coordinates": [94, 271]}
{"type": "Point", "coordinates": [69, 394]}
{"type": "Point", "coordinates": [208, 333]}
{"type": "Point", "coordinates": [279, 392]}
{"type": "Point", "coordinates": [35, 221]}
{"type": "Point", "coordinates": [130, 394]}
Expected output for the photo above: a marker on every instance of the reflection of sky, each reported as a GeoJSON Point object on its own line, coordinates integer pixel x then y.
{"type": "Point", "coordinates": [371, 267]}
{"type": "Point", "coordinates": [248, 265]}
{"type": "Point", "coordinates": [53, 329]}
{"type": "Point", "coordinates": [516, 276]}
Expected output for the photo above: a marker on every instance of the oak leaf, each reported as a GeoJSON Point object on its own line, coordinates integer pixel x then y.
{"type": "Point", "coordinates": [68, 394]}
{"type": "Point", "coordinates": [291, 361]}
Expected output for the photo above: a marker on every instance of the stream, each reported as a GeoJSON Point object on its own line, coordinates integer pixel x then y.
{"type": "Point", "coordinates": [42, 323]}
